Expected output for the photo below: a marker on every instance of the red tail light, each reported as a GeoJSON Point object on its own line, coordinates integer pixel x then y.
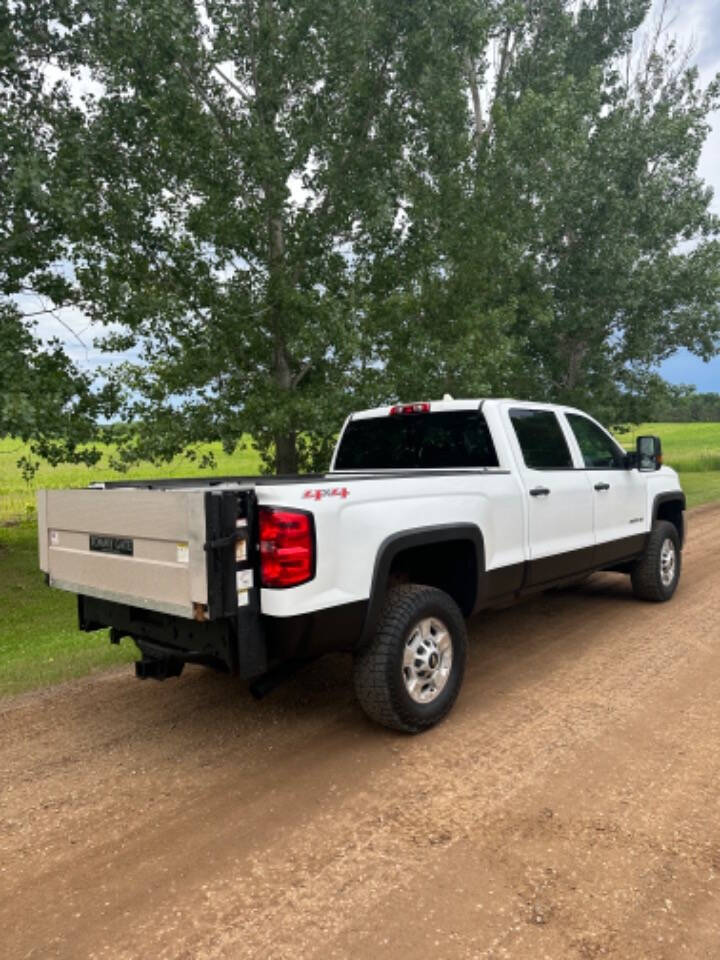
{"type": "Point", "coordinates": [287, 547]}
{"type": "Point", "coordinates": [409, 408]}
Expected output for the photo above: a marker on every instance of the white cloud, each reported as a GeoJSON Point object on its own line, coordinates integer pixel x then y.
{"type": "Point", "coordinates": [696, 24]}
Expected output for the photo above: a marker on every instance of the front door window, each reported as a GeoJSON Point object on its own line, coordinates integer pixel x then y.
{"type": "Point", "coordinates": [599, 451]}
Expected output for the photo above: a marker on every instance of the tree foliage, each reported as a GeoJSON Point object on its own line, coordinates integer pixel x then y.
{"type": "Point", "coordinates": [622, 244]}
{"type": "Point", "coordinates": [684, 404]}
{"type": "Point", "coordinates": [285, 209]}
{"type": "Point", "coordinates": [44, 399]}
{"type": "Point", "coordinates": [247, 173]}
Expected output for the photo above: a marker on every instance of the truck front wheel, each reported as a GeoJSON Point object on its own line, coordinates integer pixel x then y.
{"type": "Point", "coordinates": [655, 575]}
{"type": "Point", "coordinates": [410, 674]}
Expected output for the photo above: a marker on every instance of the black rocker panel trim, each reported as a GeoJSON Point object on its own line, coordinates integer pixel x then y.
{"type": "Point", "coordinates": [562, 566]}
{"type": "Point", "coordinates": [559, 566]}
{"type": "Point", "coordinates": [617, 551]}
{"type": "Point", "coordinates": [500, 582]}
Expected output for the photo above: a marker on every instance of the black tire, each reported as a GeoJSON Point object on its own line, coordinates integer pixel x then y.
{"type": "Point", "coordinates": [647, 572]}
{"type": "Point", "coordinates": [379, 674]}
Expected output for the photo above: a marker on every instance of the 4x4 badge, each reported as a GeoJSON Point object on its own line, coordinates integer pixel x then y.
{"type": "Point", "coordinates": [320, 494]}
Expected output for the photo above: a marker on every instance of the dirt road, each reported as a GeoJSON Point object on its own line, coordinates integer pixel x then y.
{"type": "Point", "coordinates": [569, 807]}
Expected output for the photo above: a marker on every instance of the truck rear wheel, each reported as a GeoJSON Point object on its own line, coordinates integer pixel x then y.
{"type": "Point", "coordinates": [410, 675]}
{"type": "Point", "coordinates": [655, 575]}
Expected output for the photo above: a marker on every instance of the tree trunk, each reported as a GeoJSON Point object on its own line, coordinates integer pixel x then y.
{"type": "Point", "coordinates": [286, 457]}
{"type": "Point", "coordinates": [575, 371]}
{"type": "Point", "coordinates": [475, 94]}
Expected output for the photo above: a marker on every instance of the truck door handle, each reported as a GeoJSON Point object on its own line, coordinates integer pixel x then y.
{"type": "Point", "coordinates": [602, 486]}
{"type": "Point", "coordinates": [539, 492]}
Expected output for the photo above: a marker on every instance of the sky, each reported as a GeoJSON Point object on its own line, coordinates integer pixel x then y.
{"type": "Point", "coordinates": [696, 24]}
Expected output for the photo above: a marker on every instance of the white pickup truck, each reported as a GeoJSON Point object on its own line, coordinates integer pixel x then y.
{"type": "Point", "coordinates": [429, 513]}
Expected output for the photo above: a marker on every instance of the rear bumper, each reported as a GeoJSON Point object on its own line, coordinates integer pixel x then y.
{"type": "Point", "coordinates": [234, 645]}
{"type": "Point", "coordinates": [246, 645]}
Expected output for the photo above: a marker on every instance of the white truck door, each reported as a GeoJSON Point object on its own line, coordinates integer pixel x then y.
{"type": "Point", "coordinates": [559, 497]}
{"type": "Point", "coordinates": [620, 495]}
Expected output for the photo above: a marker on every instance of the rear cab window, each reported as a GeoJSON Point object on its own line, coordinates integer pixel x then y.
{"type": "Point", "coordinates": [541, 438]}
{"type": "Point", "coordinates": [431, 441]}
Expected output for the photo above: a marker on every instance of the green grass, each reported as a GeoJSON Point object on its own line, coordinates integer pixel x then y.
{"type": "Point", "coordinates": [701, 487]}
{"type": "Point", "coordinates": [17, 498]}
{"type": "Point", "coordinates": [39, 640]}
{"type": "Point", "coordinates": [687, 447]}
{"type": "Point", "coordinates": [693, 449]}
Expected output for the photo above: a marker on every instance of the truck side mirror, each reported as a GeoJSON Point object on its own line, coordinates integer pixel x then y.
{"type": "Point", "coordinates": [648, 453]}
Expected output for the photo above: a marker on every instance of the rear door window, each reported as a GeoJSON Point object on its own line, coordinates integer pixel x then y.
{"type": "Point", "coordinates": [457, 438]}
{"type": "Point", "coordinates": [541, 439]}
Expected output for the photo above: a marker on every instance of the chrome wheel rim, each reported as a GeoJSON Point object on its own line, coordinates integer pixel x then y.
{"type": "Point", "coordinates": [668, 562]}
{"type": "Point", "coordinates": [427, 660]}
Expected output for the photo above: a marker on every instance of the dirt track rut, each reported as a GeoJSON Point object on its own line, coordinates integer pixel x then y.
{"type": "Point", "coordinates": [569, 807]}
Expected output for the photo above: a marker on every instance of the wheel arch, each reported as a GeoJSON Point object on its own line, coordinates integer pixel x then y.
{"type": "Point", "coordinates": [460, 545]}
{"type": "Point", "coordinates": [670, 506]}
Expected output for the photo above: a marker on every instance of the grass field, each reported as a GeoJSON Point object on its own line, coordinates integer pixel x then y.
{"type": "Point", "coordinates": [17, 498]}
{"type": "Point", "coordinates": [688, 447]}
{"type": "Point", "coordinates": [39, 641]}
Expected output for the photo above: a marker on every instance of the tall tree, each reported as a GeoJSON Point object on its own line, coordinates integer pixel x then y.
{"type": "Point", "coordinates": [597, 150]}
{"type": "Point", "coordinates": [248, 169]}
{"type": "Point", "coordinates": [287, 208]}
